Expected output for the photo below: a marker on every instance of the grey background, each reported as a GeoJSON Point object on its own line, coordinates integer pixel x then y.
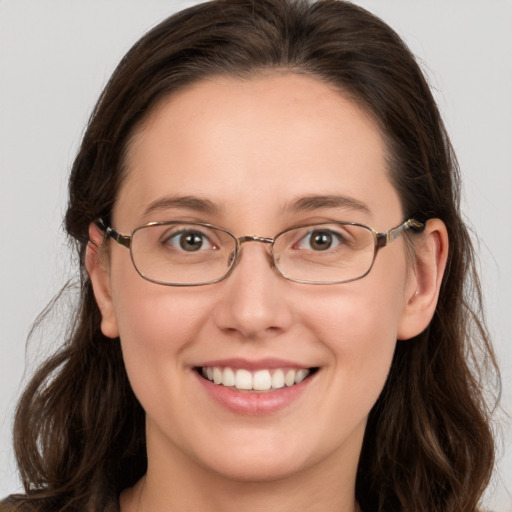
{"type": "Point", "coordinates": [55, 57]}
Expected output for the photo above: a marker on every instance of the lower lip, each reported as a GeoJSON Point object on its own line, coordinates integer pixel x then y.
{"type": "Point", "coordinates": [254, 403]}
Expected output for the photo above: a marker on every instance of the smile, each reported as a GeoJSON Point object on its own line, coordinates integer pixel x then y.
{"type": "Point", "coordinates": [261, 380]}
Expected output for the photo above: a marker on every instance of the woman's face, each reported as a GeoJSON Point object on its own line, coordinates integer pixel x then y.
{"type": "Point", "coordinates": [250, 152]}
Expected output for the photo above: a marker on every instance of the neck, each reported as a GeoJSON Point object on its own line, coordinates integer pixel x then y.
{"type": "Point", "coordinates": [250, 497]}
{"type": "Point", "coordinates": [174, 482]}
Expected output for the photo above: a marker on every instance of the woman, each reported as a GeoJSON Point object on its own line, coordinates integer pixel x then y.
{"type": "Point", "coordinates": [275, 310]}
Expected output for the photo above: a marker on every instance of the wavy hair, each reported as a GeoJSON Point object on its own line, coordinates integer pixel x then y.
{"type": "Point", "coordinates": [79, 430]}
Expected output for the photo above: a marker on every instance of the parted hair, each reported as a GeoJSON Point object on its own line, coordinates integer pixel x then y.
{"type": "Point", "coordinates": [79, 430]}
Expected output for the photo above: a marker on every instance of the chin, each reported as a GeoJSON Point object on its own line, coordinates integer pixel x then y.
{"type": "Point", "coordinates": [259, 470]}
{"type": "Point", "coordinates": [265, 459]}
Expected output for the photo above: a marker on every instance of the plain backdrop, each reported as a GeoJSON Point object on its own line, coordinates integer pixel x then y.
{"type": "Point", "coordinates": [55, 57]}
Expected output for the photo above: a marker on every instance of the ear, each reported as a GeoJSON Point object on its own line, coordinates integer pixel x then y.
{"type": "Point", "coordinates": [96, 263]}
{"type": "Point", "coordinates": [424, 280]}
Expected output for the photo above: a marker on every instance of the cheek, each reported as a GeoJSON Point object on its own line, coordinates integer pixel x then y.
{"type": "Point", "coordinates": [152, 325]}
{"type": "Point", "coordinates": [150, 314]}
{"type": "Point", "coordinates": [358, 325]}
{"type": "Point", "coordinates": [156, 324]}
{"type": "Point", "coordinates": [155, 331]}
{"type": "Point", "coordinates": [361, 340]}
{"type": "Point", "coordinates": [356, 316]}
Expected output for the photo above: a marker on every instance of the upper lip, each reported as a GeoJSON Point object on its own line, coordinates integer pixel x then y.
{"type": "Point", "coordinates": [256, 364]}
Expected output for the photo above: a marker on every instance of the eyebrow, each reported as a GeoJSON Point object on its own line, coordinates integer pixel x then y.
{"type": "Point", "coordinates": [318, 202]}
{"type": "Point", "coordinates": [197, 204]}
{"type": "Point", "coordinates": [303, 204]}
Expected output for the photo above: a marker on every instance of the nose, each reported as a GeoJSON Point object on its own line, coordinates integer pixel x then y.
{"type": "Point", "coordinates": [253, 302]}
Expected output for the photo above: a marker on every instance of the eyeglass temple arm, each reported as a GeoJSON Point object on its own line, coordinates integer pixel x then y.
{"type": "Point", "coordinates": [123, 240]}
{"type": "Point", "coordinates": [384, 239]}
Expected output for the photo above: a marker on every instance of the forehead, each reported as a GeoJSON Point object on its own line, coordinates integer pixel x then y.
{"type": "Point", "coordinates": [259, 143]}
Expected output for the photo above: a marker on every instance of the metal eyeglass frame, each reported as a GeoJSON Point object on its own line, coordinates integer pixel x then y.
{"type": "Point", "coordinates": [380, 240]}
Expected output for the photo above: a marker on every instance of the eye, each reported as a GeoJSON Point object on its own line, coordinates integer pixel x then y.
{"type": "Point", "coordinates": [189, 241]}
{"type": "Point", "coordinates": [320, 240]}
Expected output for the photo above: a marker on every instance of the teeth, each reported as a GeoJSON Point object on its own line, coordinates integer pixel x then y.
{"type": "Point", "coordinates": [228, 377]}
{"type": "Point", "coordinates": [243, 379]}
{"type": "Point", "coordinates": [261, 380]}
{"type": "Point", "coordinates": [278, 379]}
{"type": "Point", "coordinates": [217, 375]}
{"type": "Point", "coordinates": [289, 378]}
{"type": "Point", "coordinates": [301, 375]}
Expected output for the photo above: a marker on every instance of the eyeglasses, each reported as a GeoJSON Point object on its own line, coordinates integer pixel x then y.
{"type": "Point", "coordinates": [176, 253]}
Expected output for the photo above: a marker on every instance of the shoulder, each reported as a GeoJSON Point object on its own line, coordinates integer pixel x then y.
{"type": "Point", "coordinates": [23, 503]}
{"type": "Point", "coordinates": [16, 503]}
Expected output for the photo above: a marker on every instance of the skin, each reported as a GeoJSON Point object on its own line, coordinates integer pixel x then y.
{"type": "Point", "coordinates": [252, 147]}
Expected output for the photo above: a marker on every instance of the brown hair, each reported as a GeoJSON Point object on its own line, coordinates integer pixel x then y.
{"type": "Point", "coordinates": [79, 430]}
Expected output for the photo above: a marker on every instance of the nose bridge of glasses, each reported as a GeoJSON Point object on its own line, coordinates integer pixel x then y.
{"type": "Point", "coordinates": [251, 238]}
{"type": "Point", "coordinates": [234, 259]}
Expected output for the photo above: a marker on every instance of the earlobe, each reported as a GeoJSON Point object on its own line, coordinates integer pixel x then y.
{"type": "Point", "coordinates": [96, 263]}
{"type": "Point", "coordinates": [424, 280]}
